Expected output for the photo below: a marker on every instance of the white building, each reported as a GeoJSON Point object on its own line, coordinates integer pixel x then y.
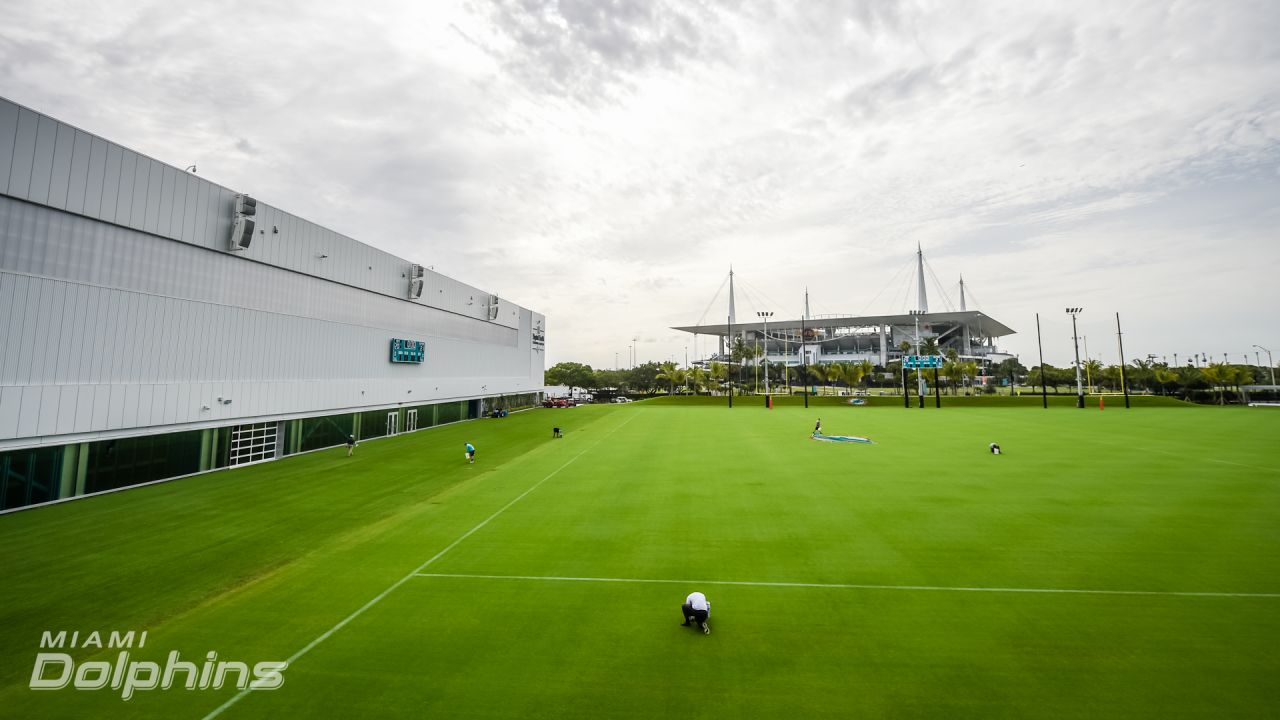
{"type": "Point", "coordinates": [154, 324]}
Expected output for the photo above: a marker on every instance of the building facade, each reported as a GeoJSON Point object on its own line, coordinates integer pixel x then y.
{"type": "Point", "coordinates": [154, 324]}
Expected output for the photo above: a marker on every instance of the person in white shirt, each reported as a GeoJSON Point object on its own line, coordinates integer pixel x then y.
{"type": "Point", "coordinates": [696, 609]}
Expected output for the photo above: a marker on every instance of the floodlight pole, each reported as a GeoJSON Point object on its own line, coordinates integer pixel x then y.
{"type": "Point", "coordinates": [1075, 337]}
{"type": "Point", "coordinates": [729, 324]}
{"type": "Point", "coordinates": [919, 375]}
{"type": "Point", "coordinates": [1044, 393]}
{"type": "Point", "coordinates": [804, 363]}
{"type": "Point", "coordinates": [1123, 385]}
{"type": "Point", "coordinates": [1271, 365]}
{"type": "Point", "coordinates": [765, 315]}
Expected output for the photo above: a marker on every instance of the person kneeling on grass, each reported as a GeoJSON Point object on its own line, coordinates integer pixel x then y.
{"type": "Point", "coordinates": [696, 609]}
{"type": "Point", "coordinates": [995, 448]}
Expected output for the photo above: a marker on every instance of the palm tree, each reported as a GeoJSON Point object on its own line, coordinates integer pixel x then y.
{"type": "Point", "coordinates": [1164, 377]}
{"type": "Point", "coordinates": [865, 370]}
{"type": "Point", "coordinates": [671, 374]}
{"type": "Point", "coordinates": [719, 372]}
{"type": "Point", "coordinates": [856, 372]}
{"type": "Point", "coordinates": [819, 372]}
{"type": "Point", "coordinates": [968, 370]}
{"type": "Point", "coordinates": [929, 346]}
{"type": "Point", "coordinates": [1216, 374]}
{"type": "Point", "coordinates": [1093, 369]}
{"type": "Point", "coordinates": [697, 377]}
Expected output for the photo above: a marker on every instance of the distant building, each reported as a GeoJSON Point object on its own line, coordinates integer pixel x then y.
{"type": "Point", "coordinates": [825, 339]}
{"type": "Point", "coordinates": [155, 324]}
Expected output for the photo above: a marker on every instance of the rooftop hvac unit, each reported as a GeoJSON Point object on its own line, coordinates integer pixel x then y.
{"type": "Point", "coordinates": [243, 222]}
{"type": "Point", "coordinates": [415, 281]}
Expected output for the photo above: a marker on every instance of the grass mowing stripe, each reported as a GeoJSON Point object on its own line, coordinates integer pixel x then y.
{"type": "Point", "coordinates": [853, 586]}
{"type": "Point", "coordinates": [1184, 456]}
{"type": "Point", "coordinates": [342, 623]}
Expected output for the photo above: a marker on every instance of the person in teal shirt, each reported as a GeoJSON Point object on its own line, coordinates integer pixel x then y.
{"type": "Point", "coordinates": [471, 453]}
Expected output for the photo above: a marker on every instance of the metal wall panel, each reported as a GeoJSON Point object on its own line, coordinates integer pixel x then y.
{"type": "Point", "coordinates": [124, 197]}
{"type": "Point", "coordinates": [94, 175]}
{"type": "Point", "coordinates": [101, 406]}
{"type": "Point", "coordinates": [79, 171]}
{"type": "Point", "coordinates": [116, 407]}
{"type": "Point", "coordinates": [29, 412]}
{"type": "Point", "coordinates": [178, 217]}
{"type": "Point", "coordinates": [8, 133]}
{"type": "Point", "coordinates": [155, 186]}
{"type": "Point", "coordinates": [60, 169]}
{"type": "Point", "coordinates": [24, 151]}
{"type": "Point", "coordinates": [42, 161]}
{"type": "Point", "coordinates": [82, 413]}
{"type": "Point", "coordinates": [10, 405]}
{"type": "Point", "coordinates": [8, 319]}
{"type": "Point", "coordinates": [64, 421]}
{"type": "Point", "coordinates": [50, 397]}
{"type": "Point", "coordinates": [167, 180]}
{"type": "Point", "coordinates": [111, 184]}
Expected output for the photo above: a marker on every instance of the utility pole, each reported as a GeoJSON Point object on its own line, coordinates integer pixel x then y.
{"type": "Point", "coordinates": [765, 315]}
{"type": "Point", "coordinates": [1075, 337]}
{"type": "Point", "coordinates": [1044, 393]}
{"type": "Point", "coordinates": [919, 375]}
{"type": "Point", "coordinates": [1123, 385]}
{"type": "Point", "coordinates": [727, 381]}
{"type": "Point", "coordinates": [1271, 365]}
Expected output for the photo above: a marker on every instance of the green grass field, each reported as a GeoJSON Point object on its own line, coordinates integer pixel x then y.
{"type": "Point", "coordinates": [1114, 564]}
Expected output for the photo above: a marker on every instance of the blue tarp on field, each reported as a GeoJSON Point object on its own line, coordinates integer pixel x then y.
{"type": "Point", "coordinates": [842, 438]}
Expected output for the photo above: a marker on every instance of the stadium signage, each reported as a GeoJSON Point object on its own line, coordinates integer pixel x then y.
{"type": "Point", "coordinates": [58, 670]}
{"type": "Point", "coordinates": [539, 338]}
{"type": "Point", "coordinates": [407, 351]}
{"type": "Point", "coordinates": [912, 362]}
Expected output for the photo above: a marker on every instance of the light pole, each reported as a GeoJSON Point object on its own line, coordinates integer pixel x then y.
{"type": "Point", "coordinates": [1075, 338]}
{"type": "Point", "coordinates": [765, 315]}
{"type": "Point", "coordinates": [919, 374]}
{"type": "Point", "coordinates": [1270, 364]}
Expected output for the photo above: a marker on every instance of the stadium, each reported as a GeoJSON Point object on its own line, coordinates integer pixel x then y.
{"type": "Point", "coordinates": [158, 325]}
{"type": "Point", "coordinates": [878, 339]}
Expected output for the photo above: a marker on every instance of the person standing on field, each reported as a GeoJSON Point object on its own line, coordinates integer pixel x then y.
{"type": "Point", "coordinates": [351, 444]}
{"type": "Point", "coordinates": [471, 453]}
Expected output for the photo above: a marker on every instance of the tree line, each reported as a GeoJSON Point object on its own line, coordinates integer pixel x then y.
{"type": "Point", "coordinates": [1215, 382]}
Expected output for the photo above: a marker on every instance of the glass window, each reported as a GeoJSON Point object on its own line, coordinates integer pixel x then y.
{"type": "Point", "coordinates": [130, 461]}
{"type": "Point", "coordinates": [29, 476]}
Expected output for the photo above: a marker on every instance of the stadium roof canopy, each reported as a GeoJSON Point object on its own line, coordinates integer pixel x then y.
{"type": "Point", "coordinates": [979, 323]}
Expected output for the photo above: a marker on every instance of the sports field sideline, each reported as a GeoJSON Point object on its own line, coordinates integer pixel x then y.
{"type": "Point", "coordinates": [1110, 564]}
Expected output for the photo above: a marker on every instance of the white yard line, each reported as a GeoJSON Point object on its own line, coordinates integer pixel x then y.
{"type": "Point", "coordinates": [325, 635]}
{"type": "Point", "coordinates": [854, 586]}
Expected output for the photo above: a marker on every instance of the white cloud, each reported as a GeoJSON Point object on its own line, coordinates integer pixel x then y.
{"type": "Point", "coordinates": [1052, 153]}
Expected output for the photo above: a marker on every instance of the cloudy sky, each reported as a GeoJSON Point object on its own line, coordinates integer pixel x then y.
{"type": "Point", "coordinates": [606, 161]}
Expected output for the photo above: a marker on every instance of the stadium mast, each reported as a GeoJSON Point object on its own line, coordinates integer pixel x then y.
{"type": "Point", "coordinates": [733, 315]}
{"type": "Point", "coordinates": [922, 302]}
